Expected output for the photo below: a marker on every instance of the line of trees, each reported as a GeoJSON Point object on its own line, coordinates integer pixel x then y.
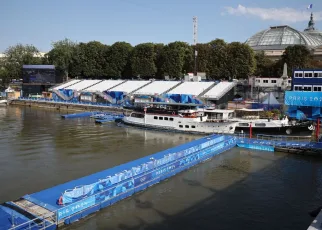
{"type": "Point", "coordinates": [217, 59]}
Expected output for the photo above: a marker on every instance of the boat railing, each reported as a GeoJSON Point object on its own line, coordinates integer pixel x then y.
{"type": "Point", "coordinates": [41, 222]}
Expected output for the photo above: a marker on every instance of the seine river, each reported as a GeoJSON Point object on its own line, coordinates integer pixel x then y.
{"type": "Point", "coordinates": [238, 189]}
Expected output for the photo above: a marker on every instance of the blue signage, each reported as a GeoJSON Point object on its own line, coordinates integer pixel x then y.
{"type": "Point", "coordinates": [296, 98]}
{"type": "Point", "coordinates": [257, 147]}
{"type": "Point", "coordinates": [75, 207]}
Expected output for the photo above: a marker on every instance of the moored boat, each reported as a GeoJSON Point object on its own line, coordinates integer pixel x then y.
{"type": "Point", "coordinates": [178, 117]}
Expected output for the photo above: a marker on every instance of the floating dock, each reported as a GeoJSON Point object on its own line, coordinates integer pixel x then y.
{"type": "Point", "coordinates": [69, 202]}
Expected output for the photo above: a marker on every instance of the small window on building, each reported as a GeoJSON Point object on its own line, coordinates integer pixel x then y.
{"type": "Point", "coordinates": [316, 74]}
{"type": "Point", "coordinates": [320, 74]}
{"type": "Point", "coordinates": [317, 88]}
{"type": "Point", "coordinates": [306, 75]}
{"type": "Point", "coordinates": [171, 119]}
{"type": "Point", "coordinates": [180, 126]}
{"type": "Point", "coordinates": [166, 118]}
{"type": "Point", "coordinates": [192, 126]}
{"type": "Point", "coordinates": [155, 117]}
{"type": "Point", "coordinates": [300, 75]}
{"type": "Point", "coordinates": [273, 81]}
{"type": "Point", "coordinates": [160, 118]}
{"type": "Point", "coordinates": [296, 75]}
{"type": "Point", "coordinates": [265, 81]}
{"type": "Point", "coordinates": [310, 74]}
{"type": "Point", "coordinates": [307, 88]}
{"type": "Point", "coordinates": [187, 126]}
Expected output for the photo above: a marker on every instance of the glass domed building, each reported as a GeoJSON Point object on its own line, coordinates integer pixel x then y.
{"type": "Point", "coordinates": [275, 39]}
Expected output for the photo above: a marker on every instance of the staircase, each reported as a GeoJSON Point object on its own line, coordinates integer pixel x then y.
{"type": "Point", "coordinates": [105, 96]}
{"type": "Point", "coordinates": [62, 96]}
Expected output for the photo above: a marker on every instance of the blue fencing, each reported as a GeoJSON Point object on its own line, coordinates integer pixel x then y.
{"type": "Point", "coordinates": [117, 96]}
{"type": "Point", "coordinates": [107, 191]}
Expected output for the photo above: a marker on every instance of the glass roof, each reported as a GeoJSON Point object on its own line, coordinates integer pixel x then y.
{"type": "Point", "coordinates": [279, 37]}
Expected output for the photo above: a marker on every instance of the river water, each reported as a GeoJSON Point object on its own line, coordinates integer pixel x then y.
{"type": "Point", "coordinates": [238, 189]}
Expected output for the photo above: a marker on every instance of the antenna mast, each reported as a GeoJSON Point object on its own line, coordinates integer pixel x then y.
{"type": "Point", "coordinates": [195, 38]}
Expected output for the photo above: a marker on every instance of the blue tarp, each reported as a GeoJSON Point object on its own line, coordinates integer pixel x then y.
{"type": "Point", "coordinates": [116, 95]}
{"type": "Point", "coordinates": [297, 114]}
{"type": "Point", "coordinates": [183, 98]}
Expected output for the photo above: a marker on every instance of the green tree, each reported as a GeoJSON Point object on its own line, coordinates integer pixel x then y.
{"type": "Point", "coordinates": [118, 58]}
{"type": "Point", "coordinates": [159, 60]}
{"type": "Point", "coordinates": [241, 61]}
{"type": "Point", "coordinates": [264, 65]}
{"type": "Point", "coordinates": [177, 59]}
{"type": "Point", "coordinates": [217, 59]}
{"type": "Point", "coordinates": [62, 54]}
{"type": "Point", "coordinates": [91, 59]}
{"type": "Point", "coordinates": [203, 54]}
{"type": "Point", "coordinates": [143, 60]}
{"type": "Point", "coordinates": [18, 55]}
{"type": "Point", "coordinates": [297, 57]}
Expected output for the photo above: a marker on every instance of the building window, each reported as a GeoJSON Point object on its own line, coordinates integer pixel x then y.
{"type": "Point", "coordinates": [297, 88]}
{"type": "Point", "coordinates": [265, 81]}
{"type": "Point", "coordinates": [273, 81]}
{"type": "Point", "coordinates": [316, 74]}
{"type": "Point", "coordinates": [317, 88]}
{"type": "Point", "coordinates": [155, 118]}
{"type": "Point", "coordinates": [171, 119]}
{"type": "Point", "coordinates": [307, 88]}
{"type": "Point", "coordinates": [298, 75]}
{"type": "Point", "coordinates": [320, 74]}
{"type": "Point", "coordinates": [308, 75]}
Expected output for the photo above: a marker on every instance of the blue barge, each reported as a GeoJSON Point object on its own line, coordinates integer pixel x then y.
{"type": "Point", "coordinates": [71, 201]}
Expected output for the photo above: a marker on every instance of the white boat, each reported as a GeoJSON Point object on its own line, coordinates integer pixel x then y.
{"type": "Point", "coordinates": [3, 103]}
{"type": "Point", "coordinates": [170, 117]}
{"type": "Point", "coordinates": [280, 126]}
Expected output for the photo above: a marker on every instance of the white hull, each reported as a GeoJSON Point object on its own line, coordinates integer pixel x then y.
{"type": "Point", "coordinates": [177, 123]}
{"type": "Point", "coordinates": [3, 103]}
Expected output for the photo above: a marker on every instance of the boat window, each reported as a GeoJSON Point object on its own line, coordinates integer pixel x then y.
{"type": "Point", "coordinates": [166, 118]}
{"type": "Point", "coordinates": [260, 124]}
{"type": "Point", "coordinates": [138, 115]}
{"type": "Point", "coordinates": [244, 124]}
{"type": "Point", "coordinates": [160, 118]}
{"type": "Point", "coordinates": [171, 119]}
{"type": "Point", "coordinates": [180, 126]}
{"type": "Point", "coordinates": [155, 117]}
{"type": "Point", "coordinates": [187, 126]}
{"type": "Point", "coordinates": [230, 115]}
{"type": "Point", "coordinates": [192, 126]}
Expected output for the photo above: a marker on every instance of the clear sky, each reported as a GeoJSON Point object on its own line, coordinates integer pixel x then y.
{"type": "Point", "coordinates": [40, 22]}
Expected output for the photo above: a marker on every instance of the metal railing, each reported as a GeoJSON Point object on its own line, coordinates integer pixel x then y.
{"type": "Point", "coordinates": [44, 222]}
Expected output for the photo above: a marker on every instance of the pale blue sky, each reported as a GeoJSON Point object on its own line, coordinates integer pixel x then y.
{"type": "Point", "coordinates": [39, 22]}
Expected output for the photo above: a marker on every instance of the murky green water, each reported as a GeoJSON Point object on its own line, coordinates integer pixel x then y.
{"type": "Point", "coordinates": [239, 189]}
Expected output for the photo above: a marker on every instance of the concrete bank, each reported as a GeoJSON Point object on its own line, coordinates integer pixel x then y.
{"type": "Point", "coordinates": [66, 106]}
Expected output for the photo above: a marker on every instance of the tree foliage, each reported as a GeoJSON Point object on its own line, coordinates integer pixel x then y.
{"type": "Point", "coordinates": [178, 59]}
{"type": "Point", "coordinates": [241, 60]}
{"type": "Point", "coordinates": [143, 60]}
{"type": "Point", "coordinates": [61, 55]}
{"type": "Point", "coordinates": [217, 63]}
{"type": "Point", "coordinates": [264, 66]}
{"type": "Point", "coordinates": [17, 56]}
{"type": "Point", "coordinates": [118, 64]}
{"type": "Point", "coordinates": [297, 57]}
